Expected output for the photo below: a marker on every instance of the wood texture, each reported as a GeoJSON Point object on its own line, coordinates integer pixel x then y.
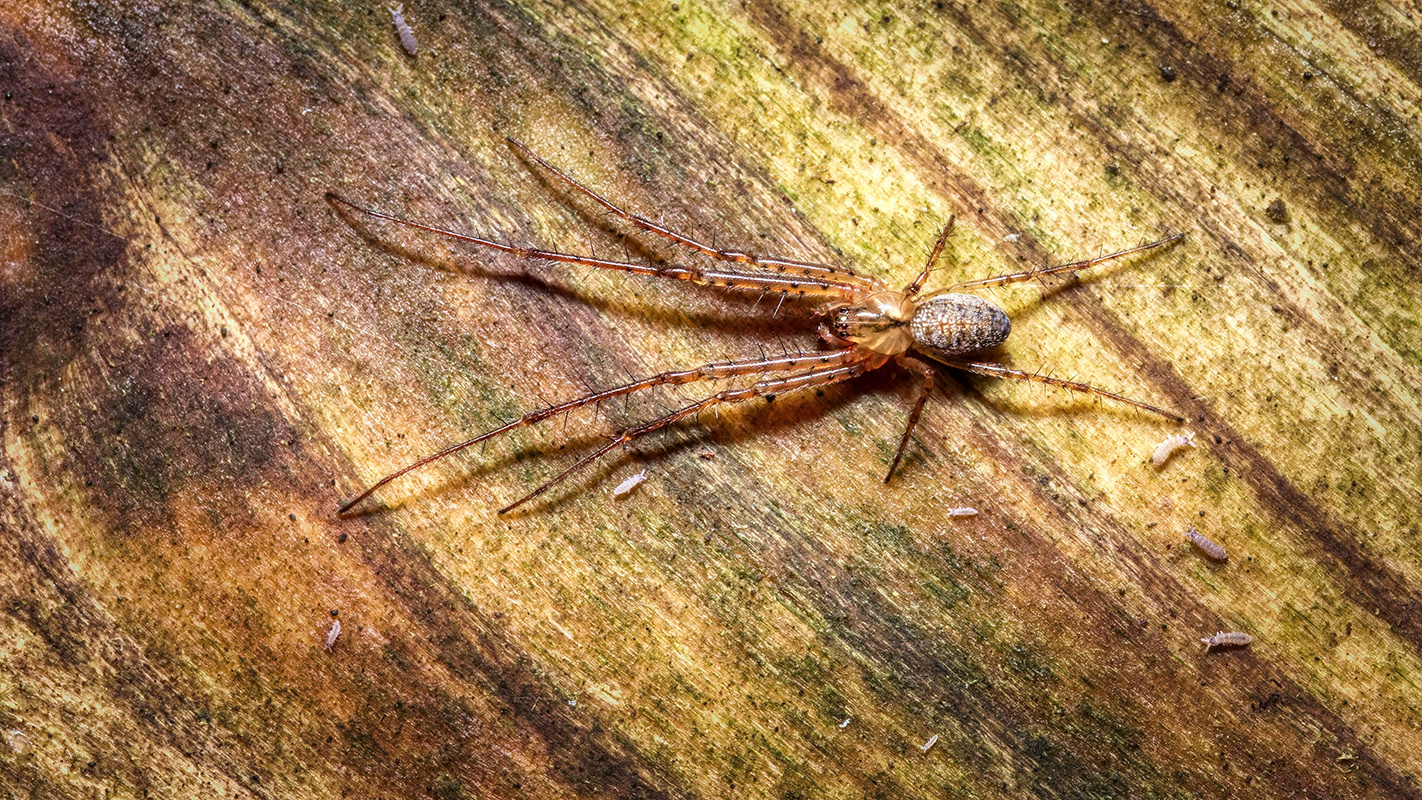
{"type": "Point", "coordinates": [200, 359]}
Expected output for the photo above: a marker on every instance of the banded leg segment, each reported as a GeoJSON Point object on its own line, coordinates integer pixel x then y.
{"type": "Point", "coordinates": [859, 362]}
{"type": "Point", "coordinates": [1033, 274]}
{"type": "Point", "coordinates": [913, 288]}
{"type": "Point", "coordinates": [925, 387]}
{"type": "Point", "coordinates": [999, 371]}
{"type": "Point", "coordinates": [768, 263]}
{"type": "Point", "coordinates": [788, 284]}
{"type": "Point", "coordinates": [707, 372]}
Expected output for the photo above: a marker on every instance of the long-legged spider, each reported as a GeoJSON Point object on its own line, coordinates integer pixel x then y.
{"type": "Point", "coordinates": [864, 326]}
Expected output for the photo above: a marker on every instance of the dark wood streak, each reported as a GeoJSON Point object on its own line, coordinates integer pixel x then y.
{"type": "Point", "coordinates": [1398, 45]}
{"type": "Point", "coordinates": [50, 319]}
{"type": "Point", "coordinates": [205, 446]}
{"type": "Point", "coordinates": [1168, 596]}
{"type": "Point", "coordinates": [580, 752]}
{"type": "Point", "coordinates": [188, 417]}
{"type": "Point", "coordinates": [1333, 181]}
{"type": "Point", "coordinates": [43, 595]}
{"type": "Point", "coordinates": [1369, 581]}
{"type": "Point", "coordinates": [1383, 589]}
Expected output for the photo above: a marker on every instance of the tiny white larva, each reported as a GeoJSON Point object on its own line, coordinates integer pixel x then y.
{"type": "Point", "coordinates": [332, 634]}
{"type": "Point", "coordinates": [1212, 549]}
{"type": "Point", "coordinates": [18, 740]}
{"type": "Point", "coordinates": [1230, 639]}
{"type": "Point", "coordinates": [1164, 450]}
{"type": "Point", "coordinates": [928, 745]}
{"type": "Point", "coordinates": [407, 36]}
{"type": "Point", "coordinates": [965, 511]}
{"type": "Point", "coordinates": [629, 484]}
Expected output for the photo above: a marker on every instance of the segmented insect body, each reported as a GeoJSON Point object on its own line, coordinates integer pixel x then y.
{"type": "Point", "coordinates": [407, 36]}
{"type": "Point", "coordinates": [928, 745]}
{"type": "Point", "coordinates": [1167, 448]}
{"type": "Point", "coordinates": [965, 511]}
{"type": "Point", "coordinates": [1229, 639]}
{"type": "Point", "coordinates": [629, 484]}
{"type": "Point", "coordinates": [332, 634]}
{"type": "Point", "coordinates": [865, 326]}
{"type": "Point", "coordinates": [1210, 548]}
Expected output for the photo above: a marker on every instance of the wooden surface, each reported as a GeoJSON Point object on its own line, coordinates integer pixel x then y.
{"type": "Point", "coordinates": [201, 359]}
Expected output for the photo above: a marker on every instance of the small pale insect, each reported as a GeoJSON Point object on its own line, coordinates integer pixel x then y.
{"type": "Point", "coordinates": [332, 634]}
{"type": "Point", "coordinates": [1167, 448]}
{"type": "Point", "coordinates": [864, 326]}
{"type": "Point", "coordinates": [630, 484]}
{"type": "Point", "coordinates": [1210, 548]}
{"type": "Point", "coordinates": [965, 511]}
{"type": "Point", "coordinates": [18, 740]}
{"type": "Point", "coordinates": [1227, 639]}
{"type": "Point", "coordinates": [844, 724]}
{"type": "Point", "coordinates": [928, 745]}
{"type": "Point", "coordinates": [407, 36]}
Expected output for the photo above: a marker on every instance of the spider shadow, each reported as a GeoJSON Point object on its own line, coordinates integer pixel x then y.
{"type": "Point", "coordinates": [731, 317]}
{"type": "Point", "coordinates": [788, 413]}
{"type": "Point", "coordinates": [972, 385]}
{"type": "Point", "coordinates": [781, 415]}
{"type": "Point", "coordinates": [1052, 287]}
{"type": "Point", "coordinates": [631, 240]}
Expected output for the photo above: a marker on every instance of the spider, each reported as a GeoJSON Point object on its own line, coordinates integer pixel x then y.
{"type": "Point", "coordinates": [864, 325]}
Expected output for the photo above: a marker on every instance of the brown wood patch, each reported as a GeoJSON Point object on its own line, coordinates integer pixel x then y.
{"type": "Point", "coordinates": [200, 358]}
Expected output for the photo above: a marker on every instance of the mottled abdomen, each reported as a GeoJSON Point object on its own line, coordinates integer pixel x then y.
{"type": "Point", "coordinates": [958, 324]}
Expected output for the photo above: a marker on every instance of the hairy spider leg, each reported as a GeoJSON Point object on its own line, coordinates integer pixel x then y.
{"type": "Point", "coordinates": [796, 285]}
{"type": "Point", "coordinates": [912, 288]}
{"type": "Point", "coordinates": [819, 376]}
{"type": "Point", "coordinates": [1061, 268]}
{"type": "Point", "coordinates": [768, 263]}
{"type": "Point", "coordinates": [706, 372]}
{"type": "Point", "coordinates": [999, 371]}
{"type": "Point", "coordinates": [924, 388]}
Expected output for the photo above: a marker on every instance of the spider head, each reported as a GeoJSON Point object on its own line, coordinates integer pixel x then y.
{"type": "Point", "coordinates": [878, 322]}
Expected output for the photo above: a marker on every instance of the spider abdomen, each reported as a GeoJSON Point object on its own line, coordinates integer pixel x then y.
{"type": "Point", "coordinates": [957, 324]}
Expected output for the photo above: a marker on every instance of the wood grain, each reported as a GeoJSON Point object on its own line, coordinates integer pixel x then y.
{"type": "Point", "coordinates": [200, 359]}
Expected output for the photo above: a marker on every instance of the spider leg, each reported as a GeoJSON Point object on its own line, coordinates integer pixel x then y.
{"type": "Point", "coordinates": [768, 263]}
{"type": "Point", "coordinates": [706, 372]}
{"type": "Point", "coordinates": [912, 288]}
{"type": "Point", "coordinates": [792, 284]}
{"type": "Point", "coordinates": [999, 371]}
{"type": "Point", "coordinates": [1032, 274]}
{"type": "Point", "coordinates": [926, 386]}
{"type": "Point", "coordinates": [853, 365]}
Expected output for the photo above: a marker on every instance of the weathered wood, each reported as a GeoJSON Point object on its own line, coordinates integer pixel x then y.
{"type": "Point", "coordinates": [199, 359]}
